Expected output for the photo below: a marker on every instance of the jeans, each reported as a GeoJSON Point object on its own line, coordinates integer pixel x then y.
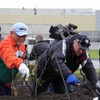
{"type": "Point", "coordinates": [69, 88]}
{"type": "Point", "coordinates": [4, 90]}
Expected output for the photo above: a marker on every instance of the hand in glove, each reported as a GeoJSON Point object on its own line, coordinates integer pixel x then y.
{"type": "Point", "coordinates": [23, 69]}
{"type": "Point", "coordinates": [98, 88]}
{"type": "Point", "coordinates": [97, 91]}
{"type": "Point", "coordinates": [72, 80]}
{"type": "Point", "coordinates": [96, 98]}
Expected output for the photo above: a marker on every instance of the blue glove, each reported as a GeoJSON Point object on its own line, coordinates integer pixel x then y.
{"type": "Point", "coordinates": [72, 80]}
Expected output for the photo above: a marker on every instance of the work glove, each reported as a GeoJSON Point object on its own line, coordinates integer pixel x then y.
{"type": "Point", "coordinates": [97, 91]}
{"type": "Point", "coordinates": [23, 69]}
{"type": "Point", "coordinates": [72, 80]}
{"type": "Point", "coordinates": [96, 98]}
{"type": "Point", "coordinates": [98, 88]}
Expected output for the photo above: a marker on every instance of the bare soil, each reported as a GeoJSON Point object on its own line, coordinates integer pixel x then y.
{"type": "Point", "coordinates": [79, 93]}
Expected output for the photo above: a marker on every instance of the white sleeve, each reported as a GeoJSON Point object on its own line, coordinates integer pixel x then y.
{"type": "Point", "coordinates": [85, 61]}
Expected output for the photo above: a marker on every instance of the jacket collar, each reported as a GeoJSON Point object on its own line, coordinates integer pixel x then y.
{"type": "Point", "coordinates": [13, 42]}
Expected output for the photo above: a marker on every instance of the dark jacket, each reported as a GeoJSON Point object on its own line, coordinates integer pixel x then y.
{"type": "Point", "coordinates": [61, 58]}
{"type": "Point", "coordinates": [38, 49]}
{"type": "Point", "coordinates": [1, 38]}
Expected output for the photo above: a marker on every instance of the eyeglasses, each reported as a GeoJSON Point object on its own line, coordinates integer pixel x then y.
{"type": "Point", "coordinates": [23, 36]}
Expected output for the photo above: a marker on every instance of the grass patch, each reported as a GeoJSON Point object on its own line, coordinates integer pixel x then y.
{"type": "Point", "coordinates": [94, 54]}
{"type": "Point", "coordinates": [78, 74]}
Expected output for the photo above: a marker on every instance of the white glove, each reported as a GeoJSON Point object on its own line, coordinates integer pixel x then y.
{"type": "Point", "coordinates": [23, 69]}
{"type": "Point", "coordinates": [96, 98]}
{"type": "Point", "coordinates": [98, 88]}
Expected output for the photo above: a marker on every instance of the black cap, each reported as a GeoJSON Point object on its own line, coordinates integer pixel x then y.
{"type": "Point", "coordinates": [83, 41]}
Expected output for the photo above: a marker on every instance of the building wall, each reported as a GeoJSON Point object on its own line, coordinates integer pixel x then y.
{"type": "Point", "coordinates": [41, 22]}
{"type": "Point", "coordinates": [98, 20]}
{"type": "Point", "coordinates": [84, 23]}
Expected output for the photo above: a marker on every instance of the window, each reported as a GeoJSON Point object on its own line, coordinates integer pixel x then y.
{"type": "Point", "coordinates": [31, 42]}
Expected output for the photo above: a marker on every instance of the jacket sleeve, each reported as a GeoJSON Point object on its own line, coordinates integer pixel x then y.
{"type": "Point", "coordinates": [90, 72]}
{"type": "Point", "coordinates": [8, 55]}
{"type": "Point", "coordinates": [88, 68]}
{"type": "Point", "coordinates": [58, 63]}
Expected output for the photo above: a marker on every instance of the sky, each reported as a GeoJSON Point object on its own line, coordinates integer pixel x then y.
{"type": "Point", "coordinates": [51, 4]}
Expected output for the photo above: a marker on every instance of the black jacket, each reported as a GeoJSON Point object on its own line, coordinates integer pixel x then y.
{"type": "Point", "coordinates": [1, 38]}
{"type": "Point", "coordinates": [38, 49]}
{"type": "Point", "coordinates": [61, 58]}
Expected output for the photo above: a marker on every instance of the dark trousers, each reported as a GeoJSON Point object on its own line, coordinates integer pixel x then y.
{"type": "Point", "coordinates": [58, 87]}
{"type": "Point", "coordinates": [4, 90]}
{"type": "Point", "coordinates": [47, 78]}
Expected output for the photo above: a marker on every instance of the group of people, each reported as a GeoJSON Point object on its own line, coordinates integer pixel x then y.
{"type": "Point", "coordinates": [56, 63]}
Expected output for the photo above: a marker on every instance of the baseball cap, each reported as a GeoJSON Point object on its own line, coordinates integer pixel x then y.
{"type": "Point", "coordinates": [20, 29]}
{"type": "Point", "coordinates": [83, 42]}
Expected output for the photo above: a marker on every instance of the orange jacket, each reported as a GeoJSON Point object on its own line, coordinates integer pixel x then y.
{"type": "Point", "coordinates": [8, 49]}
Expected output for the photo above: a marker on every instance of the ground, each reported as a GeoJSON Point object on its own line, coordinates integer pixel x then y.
{"type": "Point", "coordinates": [79, 93]}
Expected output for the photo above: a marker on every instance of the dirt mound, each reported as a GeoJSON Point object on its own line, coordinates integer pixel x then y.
{"type": "Point", "coordinates": [79, 93]}
{"type": "Point", "coordinates": [24, 93]}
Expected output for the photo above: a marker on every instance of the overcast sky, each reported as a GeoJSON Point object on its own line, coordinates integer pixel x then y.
{"type": "Point", "coordinates": [56, 4]}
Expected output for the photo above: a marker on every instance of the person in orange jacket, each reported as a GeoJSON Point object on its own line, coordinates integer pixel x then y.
{"type": "Point", "coordinates": [11, 57]}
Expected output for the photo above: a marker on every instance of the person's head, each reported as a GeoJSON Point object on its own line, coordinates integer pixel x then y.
{"type": "Point", "coordinates": [19, 32]}
{"type": "Point", "coordinates": [39, 38]}
{"type": "Point", "coordinates": [81, 44]}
